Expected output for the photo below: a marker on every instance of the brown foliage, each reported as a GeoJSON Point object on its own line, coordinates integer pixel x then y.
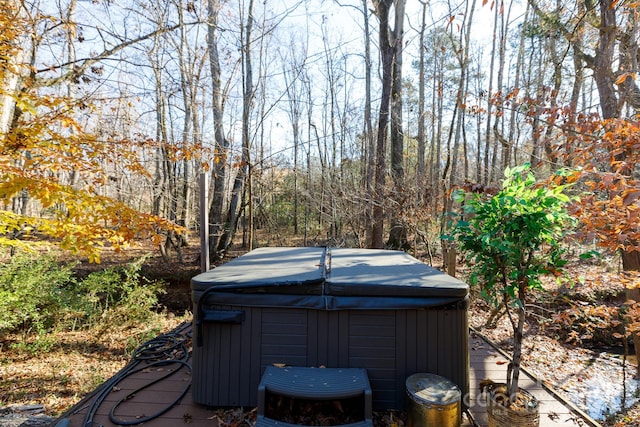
{"type": "Point", "coordinates": [605, 155]}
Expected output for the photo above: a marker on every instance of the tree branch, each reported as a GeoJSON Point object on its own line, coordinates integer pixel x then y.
{"type": "Point", "coordinates": [568, 34]}
{"type": "Point", "coordinates": [81, 65]}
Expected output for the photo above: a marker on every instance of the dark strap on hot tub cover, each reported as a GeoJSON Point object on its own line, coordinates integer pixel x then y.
{"type": "Point", "coordinates": [394, 303]}
{"type": "Point", "coordinates": [325, 302]}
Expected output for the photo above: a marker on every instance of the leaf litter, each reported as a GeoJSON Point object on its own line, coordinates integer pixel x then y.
{"type": "Point", "coordinates": [576, 356]}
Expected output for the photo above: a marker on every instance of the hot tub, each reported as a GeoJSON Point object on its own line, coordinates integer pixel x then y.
{"type": "Point", "coordinates": [381, 310]}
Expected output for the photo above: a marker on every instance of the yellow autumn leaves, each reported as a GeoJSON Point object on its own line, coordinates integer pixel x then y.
{"type": "Point", "coordinates": [53, 171]}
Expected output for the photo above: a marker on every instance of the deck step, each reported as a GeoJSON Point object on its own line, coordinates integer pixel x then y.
{"type": "Point", "coordinates": [314, 384]}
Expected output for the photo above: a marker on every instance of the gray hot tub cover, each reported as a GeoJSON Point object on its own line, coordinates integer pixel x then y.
{"type": "Point", "coordinates": [327, 279]}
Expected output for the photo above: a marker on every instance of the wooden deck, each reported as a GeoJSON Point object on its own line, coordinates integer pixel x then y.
{"type": "Point", "coordinates": [485, 362]}
{"type": "Point", "coordinates": [488, 362]}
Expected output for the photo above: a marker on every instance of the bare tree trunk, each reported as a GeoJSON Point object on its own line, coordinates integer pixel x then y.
{"type": "Point", "coordinates": [13, 71]}
{"type": "Point", "coordinates": [387, 53]}
{"type": "Point", "coordinates": [578, 63]}
{"type": "Point", "coordinates": [602, 72]}
{"type": "Point", "coordinates": [293, 72]}
{"type": "Point", "coordinates": [534, 91]}
{"type": "Point", "coordinates": [480, 91]}
{"type": "Point", "coordinates": [334, 178]}
{"type": "Point", "coordinates": [420, 165]}
{"type": "Point", "coordinates": [369, 141]}
{"type": "Point", "coordinates": [511, 151]}
{"type": "Point", "coordinates": [191, 67]}
{"type": "Point", "coordinates": [308, 205]}
{"type": "Point", "coordinates": [295, 110]}
{"type": "Point", "coordinates": [13, 74]}
{"type": "Point", "coordinates": [398, 230]}
{"type": "Point", "coordinates": [487, 173]}
{"type": "Point", "coordinates": [71, 58]}
{"type": "Point", "coordinates": [455, 134]}
{"type": "Point", "coordinates": [557, 64]}
{"type": "Point", "coordinates": [160, 177]}
{"type": "Point", "coordinates": [218, 169]}
{"type": "Point", "coordinates": [187, 77]}
{"type": "Point", "coordinates": [501, 145]}
{"type": "Point", "coordinates": [436, 132]}
{"type": "Point", "coordinates": [234, 208]}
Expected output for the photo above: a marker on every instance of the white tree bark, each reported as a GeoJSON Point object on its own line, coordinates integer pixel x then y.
{"type": "Point", "coordinates": [13, 71]}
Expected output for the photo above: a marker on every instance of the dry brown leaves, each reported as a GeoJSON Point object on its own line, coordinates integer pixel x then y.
{"type": "Point", "coordinates": [78, 362]}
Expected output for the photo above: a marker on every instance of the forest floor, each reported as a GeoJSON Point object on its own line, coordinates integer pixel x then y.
{"type": "Point", "coordinates": [570, 344]}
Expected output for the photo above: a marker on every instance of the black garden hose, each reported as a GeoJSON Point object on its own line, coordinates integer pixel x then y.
{"type": "Point", "coordinates": [131, 395]}
{"type": "Point", "coordinates": [163, 350]}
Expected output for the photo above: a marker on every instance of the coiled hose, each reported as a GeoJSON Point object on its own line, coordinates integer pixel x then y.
{"type": "Point", "coordinates": [167, 349]}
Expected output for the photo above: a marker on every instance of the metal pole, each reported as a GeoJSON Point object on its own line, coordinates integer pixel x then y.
{"type": "Point", "coordinates": [204, 222]}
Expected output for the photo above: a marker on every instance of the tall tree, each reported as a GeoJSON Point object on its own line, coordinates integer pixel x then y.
{"type": "Point", "coordinates": [328, 208]}
{"type": "Point", "coordinates": [293, 74]}
{"type": "Point", "coordinates": [369, 141]}
{"type": "Point", "coordinates": [420, 166]}
{"type": "Point", "coordinates": [191, 62]}
{"type": "Point", "coordinates": [617, 33]}
{"type": "Point", "coordinates": [461, 48]}
{"type": "Point", "coordinates": [388, 41]}
{"type": "Point", "coordinates": [488, 144]}
{"type": "Point", "coordinates": [242, 174]}
{"type": "Point", "coordinates": [398, 228]}
{"type": "Point", "coordinates": [221, 150]}
{"type": "Point", "coordinates": [19, 56]}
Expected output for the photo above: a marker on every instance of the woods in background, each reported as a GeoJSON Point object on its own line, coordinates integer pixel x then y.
{"type": "Point", "coordinates": [347, 123]}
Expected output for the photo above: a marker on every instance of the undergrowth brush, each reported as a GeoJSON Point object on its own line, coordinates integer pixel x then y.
{"type": "Point", "coordinates": [40, 296]}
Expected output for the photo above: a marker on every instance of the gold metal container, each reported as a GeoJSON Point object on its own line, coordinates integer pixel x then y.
{"type": "Point", "coordinates": [434, 401]}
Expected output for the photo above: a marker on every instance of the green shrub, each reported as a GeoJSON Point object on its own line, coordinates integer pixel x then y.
{"type": "Point", "coordinates": [32, 292]}
{"type": "Point", "coordinates": [96, 294]}
{"type": "Point", "coordinates": [118, 294]}
{"type": "Point", "coordinates": [38, 295]}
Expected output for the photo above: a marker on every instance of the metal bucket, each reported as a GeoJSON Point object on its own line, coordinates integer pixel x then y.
{"type": "Point", "coordinates": [433, 401]}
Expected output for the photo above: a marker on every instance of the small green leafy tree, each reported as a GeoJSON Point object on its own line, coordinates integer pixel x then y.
{"type": "Point", "coordinates": [512, 238]}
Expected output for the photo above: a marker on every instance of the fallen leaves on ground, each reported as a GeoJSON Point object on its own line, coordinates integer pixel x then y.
{"type": "Point", "coordinates": [76, 364]}
{"type": "Point", "coordinates": [584, 370]}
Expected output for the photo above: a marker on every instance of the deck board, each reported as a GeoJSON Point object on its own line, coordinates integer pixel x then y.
{"type": "Point", "coordinates": [485, 362]}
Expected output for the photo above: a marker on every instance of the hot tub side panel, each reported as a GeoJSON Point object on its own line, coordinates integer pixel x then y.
{"type": "Point", "coordinates": [222, 372]}
{"type": "Point", "coordinates": [390, 344]}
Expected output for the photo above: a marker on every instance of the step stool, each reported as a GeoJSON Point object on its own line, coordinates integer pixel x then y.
{"type": "Point", "coordinates": [314, 384]}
